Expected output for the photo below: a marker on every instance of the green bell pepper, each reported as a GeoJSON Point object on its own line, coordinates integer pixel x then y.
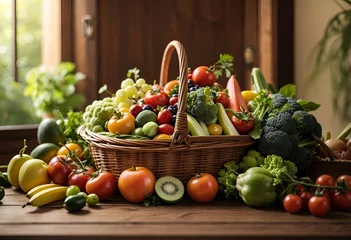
{"type": "Point", "coordinates": [256, 188]}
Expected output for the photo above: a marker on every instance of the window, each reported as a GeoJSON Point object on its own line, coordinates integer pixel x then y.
{"type": "Point", "coordinates": [20, 50]}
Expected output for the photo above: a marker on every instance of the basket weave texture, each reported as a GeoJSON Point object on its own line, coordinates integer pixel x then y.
{"type": "Point", "coordinates": [183, 155]}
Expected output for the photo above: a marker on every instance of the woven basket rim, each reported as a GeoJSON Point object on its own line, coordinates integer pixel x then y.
{"type": "Point", "coordinates": [329, 160]}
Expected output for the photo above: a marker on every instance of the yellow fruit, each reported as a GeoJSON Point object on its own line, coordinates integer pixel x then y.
{"type": "Point", "coordinates": [248, 95]}
{"type": "Point", "coordinates": [40, 188]}
{"type": "Point", "coordinates": [45, 151]}
{"type": "Point", "coordinates": [162, 136]}
{"type": "Point", "coordinates": [15, 165]}
{"type": "Point", "coordinates": [47, 196]}
{"type": "Point", "coordinates": [33, 172]}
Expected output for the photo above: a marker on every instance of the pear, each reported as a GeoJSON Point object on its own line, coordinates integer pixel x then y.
{"type": "Point", "coordinates": [15, 165]}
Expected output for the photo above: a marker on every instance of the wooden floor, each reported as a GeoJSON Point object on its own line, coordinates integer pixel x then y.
{"type": "Point", "coordinates": [117, 219]}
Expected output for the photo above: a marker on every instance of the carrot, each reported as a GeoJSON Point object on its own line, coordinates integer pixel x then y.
{"type": "Point", "coordinates": [236, 100]}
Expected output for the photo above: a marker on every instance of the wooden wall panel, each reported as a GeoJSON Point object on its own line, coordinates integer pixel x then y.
{"type": "Point", "coordinates": [134, 33]}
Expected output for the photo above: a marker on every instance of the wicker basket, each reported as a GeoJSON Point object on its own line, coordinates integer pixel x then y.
{"type": "Point", "coordinates": [328, 164]}
{"type": "Point", "coordinates": [183, 155]}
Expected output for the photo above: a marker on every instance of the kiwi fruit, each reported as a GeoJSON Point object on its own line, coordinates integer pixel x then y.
{"type": "Point", "coordinates": [169, 189]}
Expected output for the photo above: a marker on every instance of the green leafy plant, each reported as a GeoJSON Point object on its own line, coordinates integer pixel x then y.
{"type": "Point", "coordinates": [54, 88]}
{"type": "Point", "coordinates": [333, 52]}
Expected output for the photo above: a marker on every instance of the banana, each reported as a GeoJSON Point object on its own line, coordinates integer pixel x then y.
{"type": "Point", "coordinates": [48, 196]}
{"type": "Point", "coordinates": [40, 188]}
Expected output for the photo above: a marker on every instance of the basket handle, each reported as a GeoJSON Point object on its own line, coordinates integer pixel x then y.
{"type": "Point", "coordinates": [181, 126]}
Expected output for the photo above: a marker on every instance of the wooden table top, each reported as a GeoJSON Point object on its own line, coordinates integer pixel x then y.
{"type": "Point", "coordinates": [118, 219]}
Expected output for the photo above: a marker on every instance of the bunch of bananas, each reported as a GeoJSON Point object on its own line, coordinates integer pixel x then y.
{"type": "Point", "coordinates": [45, 194]}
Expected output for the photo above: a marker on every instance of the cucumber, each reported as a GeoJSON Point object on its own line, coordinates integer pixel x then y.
{"type": "Point", "coordinates": [258, 80]}
{"type": "Point", "coordinates": [74, 203]}
{"type": "Point", "coordinates": [204, 127]}
{"type": "Point", "coordinates": [224, 121]}
{"type": "Point", "coordinates": [194, 126]}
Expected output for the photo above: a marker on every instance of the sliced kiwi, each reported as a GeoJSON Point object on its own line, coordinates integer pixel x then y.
{"type": "Point", "coordinates": [169, 189]}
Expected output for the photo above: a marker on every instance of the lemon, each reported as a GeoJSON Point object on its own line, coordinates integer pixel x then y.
{"type": "Point", "coordinates": [33, 172]}
{"type": "Point", "coordinates": [15, 164]}
{"type": "Point", "coordinates": [248, 95]}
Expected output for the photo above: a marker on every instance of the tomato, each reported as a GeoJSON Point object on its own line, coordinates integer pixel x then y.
{"type": "Point", "coordinates": [164, 116]}
{"type": "Point", "coordinates": [71, 148]}
{"type": "Point", "coordinates": [165, 129]}
{"type": "Point", "coordinates": [344, 180]}
{"type": "Point", "coordinates": [319, 206]}
{"type": "Point", "coordinates": [215, 129]}
{"type": "Point", "coordinates": [135, 110]}
{"type": "Point", "coordinates": [156, 98]}
{"type": "Point", "coordinates": [173, 100]}
{"type": "Point", "coordinates": [202, 187]}
{"type": "Point", "coordinates": [170, 85]}
{"type": "Point", "coordinates": [203, 77]}
{"type": "Point", "coordinates": [222, 98]}
{"type": "Point", "coordinates": [243, 127]}
{"type": "Point", "coordinates": [123, 123]}
{"type": "Point", "coordinates": [190, 76]}
{"type": "Point", "coordinates": [59, 170]}
{"type": "Point", "coordinates": [292, 203]}
{"type": "Point", "coordinates": [305, 197]}
{"type": "Point", "coordinates": [325, 180]}
{"type": "Point", "coordinates": [340, 200]}
{"type": "Point", "coordinates": [80, 178]}
{"type": "Point", "coordinates": [135, 183]}
{"type": "Point", "coordinates": [103, 185]}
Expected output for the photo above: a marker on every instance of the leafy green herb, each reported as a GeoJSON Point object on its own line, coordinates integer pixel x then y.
{"type": "Point", "coordinates": [152, 200]}
{"type": "Point", "coordinates": [307, 105]}
{"type": "Point", "coordinates": [135, 71]}
{"type": "Point", "coordinates": [288, 90]}
{"type": "Point", "coordinates": [223, 66]}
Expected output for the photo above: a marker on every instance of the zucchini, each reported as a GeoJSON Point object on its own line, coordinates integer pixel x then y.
{"type": "Point", "coordinates": [194, 126]}
{"type": "Point", "coordinates": [224, 121]}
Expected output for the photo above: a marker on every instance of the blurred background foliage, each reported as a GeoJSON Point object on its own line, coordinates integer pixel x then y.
{"type": "Point", "coordinates": [14, 107]}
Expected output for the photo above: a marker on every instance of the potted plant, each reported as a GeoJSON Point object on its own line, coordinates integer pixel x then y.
{"type": "Point", "coordinates": [333, 52]}
{"type": "Point", "coordinates": [54, 88]}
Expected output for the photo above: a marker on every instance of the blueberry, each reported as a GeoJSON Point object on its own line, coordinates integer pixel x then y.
{"type": "Point", "coordinates": [172, 109]}
{"type": "Point", "coordinates": [173, 121]}
{"type": "Point", "coordinates": [191, 83]}
{"type": "Point", "coordinates": [175, 106]}
{"type": "Point", "coordinates": [147, 107]}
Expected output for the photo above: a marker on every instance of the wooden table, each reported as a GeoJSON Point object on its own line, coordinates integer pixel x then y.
{"type": "Point", "coordinates": [117, 219]}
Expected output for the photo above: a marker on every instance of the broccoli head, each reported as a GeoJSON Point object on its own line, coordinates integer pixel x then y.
{"type": "Point", "coordinates": [201, 104]}
{"type": "Point", "coordinates": [252, 158]}
{"type": "Point", "coordinates": [275, 142]}
{"type": "Point", "coordinates": [283, 104]}
{"type": "Point", "coordinates": [282, 121]}
{"type": "Point", "coordinates": [307, 123]}
{"type": "Point", "coordinates": [301, 159]}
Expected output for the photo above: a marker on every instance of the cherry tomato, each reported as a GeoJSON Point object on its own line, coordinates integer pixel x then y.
{"type": "Point", "coordinates": [135, 110]}
{"type": "Point", "coordinates": [305, 197]}
{"type": "Point", "coordinates": [165, 129]}
{"type": "Point", "coordinates": [325, 180]}
{"type": "Point", "coordinates": [215, 129]}
{"type": "Point", "coordinates": [344, 179]}
{"type": "Point", "coordinates": [103, 185]}
{"type": "Point", "coordinates": [222, 98]}
{"type": "Point", "coordinates": [203, 77]}
{"type": "Point", "coordinates": [123, 123]}
{"type": "Point", "coordinates": [72, 190]}
{"type": "Point", "coordinates": [340, 200]}
{"type": "Point", "coordinates": [173, 100]}
{"type": "Point", "coordinates": [202, 188]}
{"type": "Point", "coordinates": [71, 148]}
{"type": "Point", "coordinates": [92, 200]}
{"type": "Point", "coordinates": [80, 178]}
{"type": "Point", "coordinates": [292, 203]}
{"type": "Point", "coordinates": [163, 117]}
{"type": "Point", "coordinates": [156, 98]}
{"type": "Point", "coordinates": [318, 206]}
{"type": "Point", "coordinates": [135, 183]}
{"type": "Point", "coordinates": [59, 170]}
{"type": "Point", "coordinates": [243, 127]}
{"type": "Point", "coordinates": [170, 85]}
{"type": "Point", "coordinates": [190, 76]}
